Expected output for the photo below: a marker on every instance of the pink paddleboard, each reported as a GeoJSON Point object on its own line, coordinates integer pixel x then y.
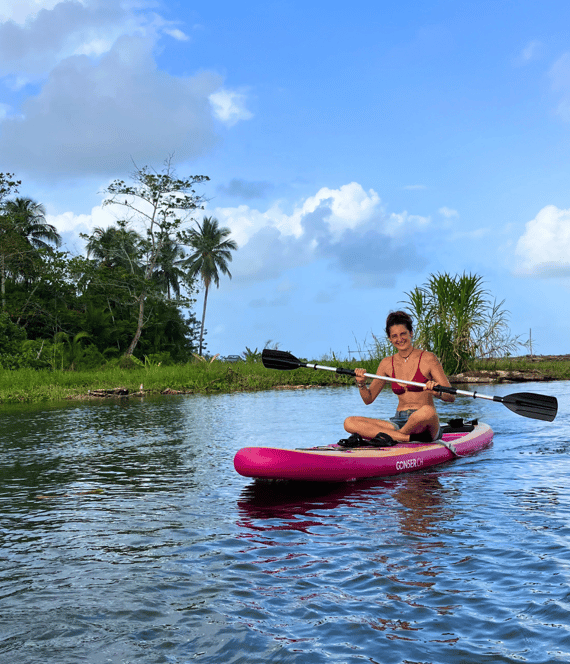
{"type": "Point", "coordinates": [336, 464]}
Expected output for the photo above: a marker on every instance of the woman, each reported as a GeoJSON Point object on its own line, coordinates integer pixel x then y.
{"type": "Point", "coordinates": [416, 417]}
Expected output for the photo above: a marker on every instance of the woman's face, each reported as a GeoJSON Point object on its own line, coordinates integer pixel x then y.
{"type": "Point", "coordinates": [400, 337]}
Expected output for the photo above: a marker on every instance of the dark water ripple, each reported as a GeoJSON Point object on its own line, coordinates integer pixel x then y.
{"type": "Point", "coordinates": [126, 536]}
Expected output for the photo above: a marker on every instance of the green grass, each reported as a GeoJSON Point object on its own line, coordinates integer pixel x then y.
{"type": "Point", "coordinates": [30, 386]}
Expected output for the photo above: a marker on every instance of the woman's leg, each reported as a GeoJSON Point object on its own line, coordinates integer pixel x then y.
{"type": "Point", "coordinates": [367, 427]}
{"type": "Point", "coordinates": [425, 418]}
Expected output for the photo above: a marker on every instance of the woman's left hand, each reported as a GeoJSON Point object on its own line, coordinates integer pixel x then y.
{"type": "Point", "coordinates": [430, 387]}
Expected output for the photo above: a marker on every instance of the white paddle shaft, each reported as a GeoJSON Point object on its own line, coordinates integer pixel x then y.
{"type": "Point", "coordinates": [441, 388]}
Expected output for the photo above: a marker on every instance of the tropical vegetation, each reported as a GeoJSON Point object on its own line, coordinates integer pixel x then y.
{"type": "Point", "coordinates": [125, 308]}
{"type": "Point", "coordinates": [130, 297]}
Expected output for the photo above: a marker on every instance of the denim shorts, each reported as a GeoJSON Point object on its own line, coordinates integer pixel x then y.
{"type": "Point", "coordinates": [402, 416]}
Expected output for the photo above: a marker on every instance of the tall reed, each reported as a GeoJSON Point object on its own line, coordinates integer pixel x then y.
{"type": "Point", "coordinates": [458, 321]}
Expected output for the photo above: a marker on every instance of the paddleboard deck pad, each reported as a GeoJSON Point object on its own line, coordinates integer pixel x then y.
{"type": "Point", "coordinates": [333, 463]}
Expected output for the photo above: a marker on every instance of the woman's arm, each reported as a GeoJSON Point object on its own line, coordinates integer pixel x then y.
{"type": "Point", "coordinates": [437, 377]}
{"type": "Point", "coordinates": [369, 393]}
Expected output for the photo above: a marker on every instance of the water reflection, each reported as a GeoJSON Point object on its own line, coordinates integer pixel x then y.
{"type": "Point", "coordinates": [281, 505]}
{"type": "Point", "coordinates": [374, 542]}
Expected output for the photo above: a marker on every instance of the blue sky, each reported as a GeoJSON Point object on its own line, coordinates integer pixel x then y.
{"type": "Point", "coordinates": [352, 149]}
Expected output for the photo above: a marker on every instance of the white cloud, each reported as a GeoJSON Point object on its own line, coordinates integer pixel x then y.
{"type": "Point", "coordinates": [229, 106]}
{"type": "Point", "coordinates": [100, 217]}
{"type": "Point", "coordinates": [544, 248]}
{"type": "Point", "coordinates": [70, 225]}
{"type": "Point", "coordinates": [94, 47]}
{"type": "Point", "coordinates": [245, 222]}
{"type": "Point", "coordinates": [100, 101]}
{"type": "Point", "coordinates": [177, 34]}
{"type": "Point", "coordinates": [345, 227]}
{"type": "Point", "coordinates": [402, 222]}
{"type": "Point", "coordinates": [69, 28]}
{"type": "Point", "coordinates": [96, 117]}
{"type": "Point", "coordinates": [346, 207]}
{"type": "Point", "coordinates": [69, 222]}
{"type": "Point", "coordinates": [36, 36]}
{"type": "Point", "coordinates": [350, 206]}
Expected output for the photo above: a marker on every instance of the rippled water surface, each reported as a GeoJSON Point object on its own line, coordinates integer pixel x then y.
{"type": "Point", "coordinates": [127, 536]}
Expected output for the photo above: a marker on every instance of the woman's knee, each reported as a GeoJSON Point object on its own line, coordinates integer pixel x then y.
{"type": "Point", "coordinates": [351, 423]}
{"type": "Point", "coordinates": [427, 411]}
{"type": "Point", "coordinates": [424, 416]}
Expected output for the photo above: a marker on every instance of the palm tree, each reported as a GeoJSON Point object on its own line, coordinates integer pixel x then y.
{"type": "Point", "coordinates": [212, 252]}
{"type": "Point", "coordinates": [167, 271]}
{"type": "Point", "coordinates": [29, 220]}
{"type": "Point", "coordinates": [114, 246]}
{"type": "Point", "coordinates": [23, 231]}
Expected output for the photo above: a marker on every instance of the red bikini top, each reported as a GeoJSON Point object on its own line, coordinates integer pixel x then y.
{"type": "Point", "coordinates": [418, 378]}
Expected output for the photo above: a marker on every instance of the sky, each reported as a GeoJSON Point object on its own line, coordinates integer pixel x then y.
{"type": "Point", "coordinates": [353, 149]}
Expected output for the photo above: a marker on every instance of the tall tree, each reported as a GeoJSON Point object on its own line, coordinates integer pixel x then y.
{"type": "Point", "coordinates": [161, 203]}
{"type": "Point", "coordinates": [212, 253]}
{"type": "Point", "coordinates": [113, 272]}
{"type": "Point", "coordinates": [24, 232]}
{"type": "Point", "coordinates": [8, 186]}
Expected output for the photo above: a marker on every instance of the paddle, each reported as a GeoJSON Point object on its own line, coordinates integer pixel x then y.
{"type": "Point", "coordinates": [537, 406]}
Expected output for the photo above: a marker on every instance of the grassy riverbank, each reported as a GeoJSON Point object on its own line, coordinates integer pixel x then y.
{"type": "Point", "coordinates": [557, 366]}
{"type": "Point", "coordinates": [29, 386]}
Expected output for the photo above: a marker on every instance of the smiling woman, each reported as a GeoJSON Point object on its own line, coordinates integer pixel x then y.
{"type": "Point", "coordinates": [416, 417]}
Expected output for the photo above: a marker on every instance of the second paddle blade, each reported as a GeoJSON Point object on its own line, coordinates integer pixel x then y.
{"type": "Point", "coordinates": [537, 406]}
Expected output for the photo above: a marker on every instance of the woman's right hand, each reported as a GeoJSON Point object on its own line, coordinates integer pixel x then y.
{"type": "Point", "coordinates": [360, 377]}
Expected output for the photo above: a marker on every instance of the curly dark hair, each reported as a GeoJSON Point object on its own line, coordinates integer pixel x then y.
{"type": "Point", "coordinates": [398, 318]}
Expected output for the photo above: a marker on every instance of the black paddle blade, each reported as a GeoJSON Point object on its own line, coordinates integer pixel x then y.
{"type": "Point", "coordinates": [537, 406]}
{"type": "Point", "coordinates": [279, 359]}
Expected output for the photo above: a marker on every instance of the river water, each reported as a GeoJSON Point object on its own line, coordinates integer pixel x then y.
{"type": "Point", "coordinates": [126, 536]}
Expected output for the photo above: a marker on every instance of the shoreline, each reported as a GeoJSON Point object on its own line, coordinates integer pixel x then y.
{"type": "Point", "coordinates": [483, 377]}
{"type": "Point", "coordinates": [27, 386]}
